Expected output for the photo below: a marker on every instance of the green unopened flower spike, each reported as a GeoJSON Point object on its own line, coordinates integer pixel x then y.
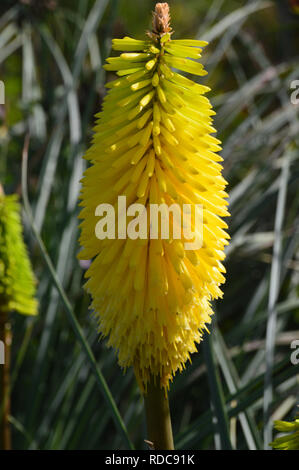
{"type": "Point", "coordinates": [291, 440]}
{"type": "Point", "coordinates": [17, 283]}
{"type": "Point", "coordinates": [17, 293]}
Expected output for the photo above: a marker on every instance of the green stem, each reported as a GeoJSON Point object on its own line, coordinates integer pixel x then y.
{"type": "Point", "coordinates": [5, 336]}
{"type": "Point", "coordinates": [158, 417]}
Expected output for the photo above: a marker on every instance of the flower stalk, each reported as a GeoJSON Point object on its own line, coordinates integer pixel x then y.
{"type": "Point", "coordinates": [158, 418]}
{"type": "Point", "coordinates": [6, 337]}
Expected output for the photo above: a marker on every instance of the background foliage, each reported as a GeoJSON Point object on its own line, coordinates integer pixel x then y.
{"type": "Point", "coordinates": [51, 54]}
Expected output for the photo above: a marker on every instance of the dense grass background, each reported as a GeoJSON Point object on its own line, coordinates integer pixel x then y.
{"type": "Point", "coordinates": [51, 54]}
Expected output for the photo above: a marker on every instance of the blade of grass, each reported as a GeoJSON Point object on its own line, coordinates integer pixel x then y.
{"type": "Point", "coordinates": [219, 28]}
{"type": "Point", "coordinates": [244, 397]}
{"type": "Point", "coordinates": [273, 296]}
{"type": "Point", "coordinates": [248, 425]}
{"type": "Point", "coordinates": [91, 23]}
{"type": "Point", "coordinates": [10, 48]}
{"type": "Point", "coordinates": [217, 397]}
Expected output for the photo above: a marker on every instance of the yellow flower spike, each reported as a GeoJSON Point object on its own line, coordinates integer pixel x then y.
{"type": "Point", "coordinates": [291, 440]}
{"type": "Point", "coordinates": [152, 144]}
